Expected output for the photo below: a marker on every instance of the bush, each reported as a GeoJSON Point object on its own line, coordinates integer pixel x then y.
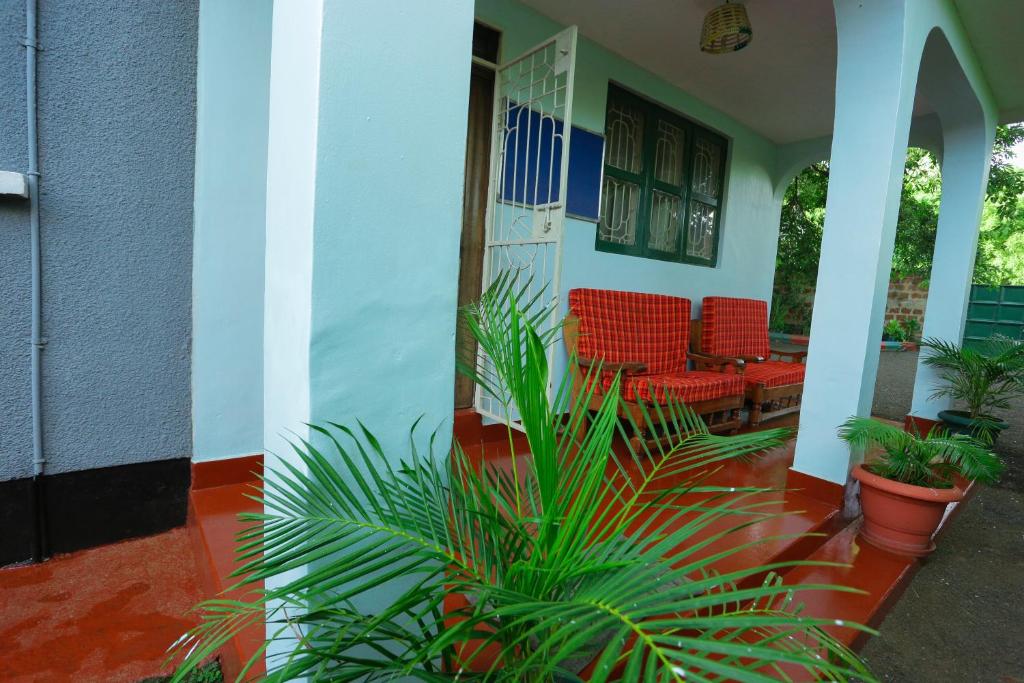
{"type": "Point", "coordinates": [893, 331]}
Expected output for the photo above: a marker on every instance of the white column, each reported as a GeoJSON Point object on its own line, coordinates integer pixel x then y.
{"type": "Point", "coordinates": [874, 98]}
{"type": "Point", "coordinates": [291, 194]}
{"type": "Point", "coordinates": [968, 150]}
{"type": "Point", "coordinates": [368, 110]}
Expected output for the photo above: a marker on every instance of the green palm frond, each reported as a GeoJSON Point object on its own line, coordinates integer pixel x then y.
{"type": "Point", "coordinates": [579, 552]}
{"type": "Point", "coordinates": [929, 460]}
{"type": "Point", "coordinates": [985, 378]}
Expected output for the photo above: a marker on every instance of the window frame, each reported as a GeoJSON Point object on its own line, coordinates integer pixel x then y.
{"type": "Point", "coordinates": [652, 114]}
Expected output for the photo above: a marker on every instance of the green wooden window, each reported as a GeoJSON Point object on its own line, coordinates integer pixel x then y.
{"type": "Point", "coordinates": [661, 196]}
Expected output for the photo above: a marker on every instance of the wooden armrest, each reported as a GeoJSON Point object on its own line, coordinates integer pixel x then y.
{"type": "Point", "coordinates": [626, 367]}
{"type": "Point", "coordinates": [718, 362]}
{"type": "Point", "coordinates": [797, 356]}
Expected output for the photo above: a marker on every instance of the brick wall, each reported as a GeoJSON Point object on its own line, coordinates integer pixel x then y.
{"type": "Point", "coordinates": [907, 298]}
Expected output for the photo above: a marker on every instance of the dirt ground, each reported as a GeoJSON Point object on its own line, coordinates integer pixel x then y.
{"type": "Point", "coordinates": [962, 617]}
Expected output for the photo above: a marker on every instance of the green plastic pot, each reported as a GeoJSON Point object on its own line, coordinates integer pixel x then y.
{"type": "Point", "coordinates": [961, 422]}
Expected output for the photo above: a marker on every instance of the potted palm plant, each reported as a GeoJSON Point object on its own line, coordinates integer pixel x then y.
{"type": "Point", "coordinates": [904, 491]}
{"type": "Point", "coordinates": [580, 560]}
{"type": "Point", "coordinates": [983, 379]}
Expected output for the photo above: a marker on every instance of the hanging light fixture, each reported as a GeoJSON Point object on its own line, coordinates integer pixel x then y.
{"type": "Point", "coordinates": [726, 29]}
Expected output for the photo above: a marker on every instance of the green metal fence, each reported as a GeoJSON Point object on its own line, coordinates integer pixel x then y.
{"type": "Point", "coordinates": [994, 310]}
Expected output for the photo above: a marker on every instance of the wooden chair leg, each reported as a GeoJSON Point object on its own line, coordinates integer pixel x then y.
{"type": "Point", "coordinates": [734, 416]}
{"type": "Point", "coordinates": [755, 413]}
{"type": "Point", "coordinates": [756, 406]}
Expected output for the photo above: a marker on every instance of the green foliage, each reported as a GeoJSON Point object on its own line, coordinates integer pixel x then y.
{"type": "Point", "coordinates": [558, 559]}
{"type": "Point", "coordinates": [918, 217]}
{"type": "Point", "coordinates": [790, 312]}
{"type": "Point", "coordinates": [210, 673]}
{"type": "Point", "coordinates": [1005, 180]}
{"type": "Point", "coordinates": [893, 331]}
{"type": "Point", "coordinates": [929, 461]}
{"type": "Point", "coordinates": [1000, 257]}
{"type": "Point", "coordinates": [901, 330]}
{"type": "Point", "coordinates": [911, 328]}
{"type": "Point", "coordinates": [985, 378]}
{"type": "Point", "coordinates": [803, 217]}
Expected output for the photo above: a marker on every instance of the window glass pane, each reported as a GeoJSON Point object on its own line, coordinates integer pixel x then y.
{"type": "Point", "coordinates": [700, 233]}
{"type": "Point", "coordinates": [664, 229]}
{"type": "Point", "coordinates": [707, 166]}
{"type": "Point", "coordinates": [668, 155]}
{"type": "Point", "coordinates": [619, 200]}
{"type": "Point", "coordinates": [624, 136]}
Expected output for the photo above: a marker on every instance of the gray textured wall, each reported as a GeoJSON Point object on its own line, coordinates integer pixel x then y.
{"type": "Point", "coordinates": [15, 414]}
{"type": "Point", "coordinates": [117, 134]}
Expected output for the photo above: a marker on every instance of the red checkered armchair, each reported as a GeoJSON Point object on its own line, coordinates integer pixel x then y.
{"type": "Point", "coordinates": [645, 338]}
{"type": "Point", "coordinates": [738, 329]}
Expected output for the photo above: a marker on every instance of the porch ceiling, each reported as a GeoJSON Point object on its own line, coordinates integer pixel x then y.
{"type": "Point", "coordinates": [783, 84]}
{"type": "Point", "coordinates": [996, 28]}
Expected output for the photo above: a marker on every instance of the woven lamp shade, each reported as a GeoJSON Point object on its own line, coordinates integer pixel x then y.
{"type": "Point", "coordinates": [726, 29]}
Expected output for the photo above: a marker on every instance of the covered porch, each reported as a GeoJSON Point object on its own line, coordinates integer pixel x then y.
{"type": "Point", "coordinates": [851, 85]}
{"type": "Point", "coordinates": [366, 192]}
{"type": "Point", "coordinates": [854, 84]}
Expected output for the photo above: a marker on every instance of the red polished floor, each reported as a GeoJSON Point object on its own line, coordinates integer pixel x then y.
{"type": "Point", "coordinates": [214, 524]}
{"type": "Point", "coordinates": [104, 615]}
{"type": "Point", "coordinates": [794, 525]}
{"type": "Point", "coordinates": [108, 614]}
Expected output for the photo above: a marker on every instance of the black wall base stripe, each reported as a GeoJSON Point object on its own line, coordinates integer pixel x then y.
{"type": "Point", "coordinates": [95, 507]}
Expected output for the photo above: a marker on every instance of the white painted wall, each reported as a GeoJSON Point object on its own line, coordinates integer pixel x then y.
{"type": "Point", "coordinates": [232, 86]}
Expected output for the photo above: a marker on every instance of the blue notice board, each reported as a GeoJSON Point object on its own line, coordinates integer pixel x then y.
{"type": "Point", "coordinates": [530, 139]}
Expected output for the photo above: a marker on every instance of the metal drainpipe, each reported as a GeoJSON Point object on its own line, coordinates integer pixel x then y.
{"type": "Point", "coordinates": [40, 551]}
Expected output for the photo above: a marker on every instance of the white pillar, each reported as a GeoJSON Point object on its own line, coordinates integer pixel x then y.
{"type": "Point", "coordinates": [291, 195]}
{"type": "Point", "coordinates": [874, 101]}
{"type": "Point", "coordinates": [368, 111]}
{"type": "Point", "coordinates": [968, 150]}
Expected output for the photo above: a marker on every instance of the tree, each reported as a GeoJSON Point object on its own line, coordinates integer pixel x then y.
{"type": "Point", "coordinates": [1000, 257]}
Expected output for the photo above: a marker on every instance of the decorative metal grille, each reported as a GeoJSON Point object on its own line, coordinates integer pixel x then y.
{"type": "Point", "coordinates": [707, 164]}
{"type": "Point", "coordinates": [663, 231]}
{"type": "Point", "coordinates": [668, 154]}
{"type": "Point", "coordinates": [624, 137]}
{"type": "Point", "coordinates": [529, 168]}
{"type": "Point", "coordinates": [619, 201]}
{"type": "Point", "coordinates": [701, 231]}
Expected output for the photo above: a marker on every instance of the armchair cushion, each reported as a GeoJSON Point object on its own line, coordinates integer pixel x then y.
{"type": "Point", "coordinates": [688, 387]}
{"type": "Point", "coordinates": [616, 327]}
{"type": "Point", "coordinates": [774, 373]}
{"type": "Point", "coordinates": [734, 327]}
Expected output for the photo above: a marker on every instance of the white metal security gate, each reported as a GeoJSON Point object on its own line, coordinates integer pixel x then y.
{"type": "Point", "coordinates": [528, 176]}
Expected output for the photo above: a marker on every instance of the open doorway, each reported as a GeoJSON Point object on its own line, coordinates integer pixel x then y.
{"type": "Point", "coordinates": [486, 42]}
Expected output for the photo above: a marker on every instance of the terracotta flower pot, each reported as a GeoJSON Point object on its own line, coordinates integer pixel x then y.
{"type": "Point", "coordinates": [898, 517]}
